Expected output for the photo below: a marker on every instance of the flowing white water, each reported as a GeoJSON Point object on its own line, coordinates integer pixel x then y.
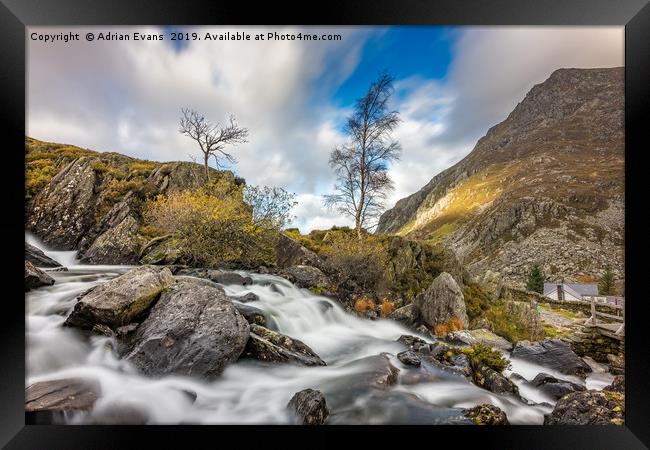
{"type": "Point", "coordinates": [247, 392]}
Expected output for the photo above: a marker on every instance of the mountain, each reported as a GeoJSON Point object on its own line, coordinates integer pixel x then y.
{"type": "Point", "coordinates": [545, 186]}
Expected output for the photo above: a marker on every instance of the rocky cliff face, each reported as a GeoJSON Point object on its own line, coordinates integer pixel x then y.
{"type": "Point", "coordinates": [82, 200]}
{"type": "Point", "coordinates": [545, 185]}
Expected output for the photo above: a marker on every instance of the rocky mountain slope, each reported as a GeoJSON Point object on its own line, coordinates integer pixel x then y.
{"type": "Point", "coordinates": [546, 185]}
{"type": "Point", "coordinates": [78, 199]}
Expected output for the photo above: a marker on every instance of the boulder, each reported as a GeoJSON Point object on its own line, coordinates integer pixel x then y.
{"type": "Point", "coordinates": [229, 278]}
{"type": "Point", "coordinates": [552, 353]}
{"type": "Point", "coordinates": [442, 301]}
{"type": "Point", "coordinates": [409, 358]}
{"type": "Point", "coordinates": [492, 284]}
{"type": "Point", "coordinates": [193, 329]}
{"type": "Point", "coordinates": [121, 300]}
{"type": "Point", "coordinates": [306, 277]}
{"type": "Point", "coordinates": [255, 316]}
{"type": "Point", "coordinates": [406, 315]}
{"type": "Point", "coordinates": [247, 298]}
{"type": "Point", "coordinates": [47, 402]}
{"type": "Point", "coordinates": [308, 407]}
{"type": "Point", "coordinates": [588, 408]}
{"type": "Point", "coordinates": [487, 415]}
{"type": "Point", "coordinates": [35, 278]}
{"type": "Point", "coordinates": [554, 387]}
{"type": "Point", "coordinates": [412, 342]}
{"type": "Point", "coordinates": [289, 252]}
{"type": "Point", "coordinates": [271, 346]}
{"type": "Point", "coordinates": [483, 336]}
{"type": "Point", "coordinates": [493, 381]}
{"type": "Point", "coordinates": [36, 256]}
{"type": "Point", "coordinates": [525, 317]}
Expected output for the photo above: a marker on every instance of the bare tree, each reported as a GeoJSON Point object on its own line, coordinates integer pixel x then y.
{"type": "Point", "coordinates": [361, 165]}
{"type": "Point", "coordinates": [212, 138]}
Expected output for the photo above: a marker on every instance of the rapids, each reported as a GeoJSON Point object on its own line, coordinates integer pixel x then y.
{"type": "Point", "coordinates": [248, 391]}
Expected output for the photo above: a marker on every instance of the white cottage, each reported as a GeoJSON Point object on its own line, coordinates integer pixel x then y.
{"type": "Point", "coordinates": [570, 291]}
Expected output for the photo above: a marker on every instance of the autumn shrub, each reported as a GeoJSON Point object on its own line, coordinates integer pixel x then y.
{"type": "Point", "coordinates": [358, 264]}
{"type": "Point", "coordinates": [213, 225]}
{"type": "Point", "coordinates": [363, 304]}
{"type": "Point", "coordinates": [480, 354]}
{"type": "Point", "coordinates": [441, 329]}
{"type": "Point", "coordinates": [386, 307]}
{"type": "Point", "coordinates": [455, 324]}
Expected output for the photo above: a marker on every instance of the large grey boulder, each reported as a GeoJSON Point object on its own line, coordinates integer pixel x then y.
{"type": "Point", "coordinates": [308, 407]}
{"type": "Point", "coordinates": [193, 329]}
{"type": "Point", "coordinates": [289, 253]}
{"type": "Point", "coordinates": [442, 301]}
{"type": "Point", "coordinates": [47, 402]}
{"type": "Point", "coordinates": [271, 346]}
{"type": "Point", "coordinates": [552, 353]}
{"type": "Point", "coordinates": [119, 301]}
{"type": "Point", "coordinates": [36, 256]}
{"type": "Point", "coordinates": [35, 278]}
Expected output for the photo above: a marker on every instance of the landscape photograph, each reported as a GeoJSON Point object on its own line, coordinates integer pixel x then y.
{"type": "Point", "coordinates": [350, 225]}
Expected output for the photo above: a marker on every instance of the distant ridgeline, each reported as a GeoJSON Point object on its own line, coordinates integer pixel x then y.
{"type": "Point", "coordinates": [78, 199]}
{"type": "Point", "coordinates": [546, 185]}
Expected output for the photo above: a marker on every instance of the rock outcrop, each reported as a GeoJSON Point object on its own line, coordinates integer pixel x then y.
{"type": "Point", "coordinates": [193, 329]}
{"type": "Point", "coordinates": [483, 336]}
{"type": "Point", "coordinates": [121, 300]}
{"type": "Point", "coordinates": [306, 277]}
{"type": "Point", "coordinates": [271, 346]}
{"type": "Point", "coordinates": [554, 354]}
{"type": "Point", "coordinates": [543, 186]}
{"type": "Point", "coordinates": [487, 415]}
{"type": "Point", "coordinates": [554, 387]}
{"type": "Point", "coordinates": [289, 252]}
{"type": "Point", "coordinates": [442, 301]}
{"type": "Point", "coordinates": [308, 407]}
{"type": "Point", "coordinates": [35, 277]}
{"type": "Point", "coordinates": [36, 256]}
{"type": "Point", "coordinates": [47, 402]}
{"type": "Point", "coordinates": [588, 408]}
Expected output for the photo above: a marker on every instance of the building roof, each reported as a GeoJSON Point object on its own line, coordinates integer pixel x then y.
{"type": "Point", "coordinates": [577, 289]}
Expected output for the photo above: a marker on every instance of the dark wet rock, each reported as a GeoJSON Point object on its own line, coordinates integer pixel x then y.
{"type": "Point", "coordinates": [482, 336]}
{"type": "Point", "coordinates": [271, 346]}
{"type": "Point", "coordinates": [247, 298]}
{"type": "Point", "coordinates": [517, 376]}
{"type": "Point", "coordinates": [397, 408]}
{"type": "Point", "coordinates": [36, 256]}
{"type": "Point", "coordinates": [618, 385]}
{"type": "Point", "coordinates": [588, 408]}
{"type": "Point", "coordinates": [461, 362]}
{"type": "Point", "coordinates": [47, 402]}
{"type": "Point", "coordinates": [552, 353]}
{"type": "Point", "coordinates": [35, 277]}
{"type": "Point", "coordinates": [406, 315]}
{"type": "Point", "coordinates": [442, 301]}
{"type": "Point", "coordinates": [306, 277]}
{"type": "Point", "coordinates": [256, 316]}
{"type": "Point", "coordinates": [410, 358]}
{"type": "Point", "coordinates": [487, 415]}
{"type": "Point", "coordinates": [103, 330]}
{"type": "Point", "coordinates": [229, 278]}
{"type": "Point", "coordinates": [120, 300]}
{"type": "Point", "coordinates": [411, 341]}
{"type": "Point", "coordinates": [493, 381]}
{"type": "Point", "coordinates": [289, 253]}
{"type": "Point", "coordinates": [308, 407]}
{"type": "Point", "coordinates": [325, 305]}
{"type": "Point", "coordinates": [193, 329]}
{"type": "Point", "coordinates": [554, 387]}
{"type": "Point", "coordinates": [616, 364]}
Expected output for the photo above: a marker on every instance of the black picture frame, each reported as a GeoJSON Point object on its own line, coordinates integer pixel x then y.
{"type": "Point", "coordinates": [15, 15]}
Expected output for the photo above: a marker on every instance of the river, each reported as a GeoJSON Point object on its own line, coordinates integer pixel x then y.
{"type": "Point", "coordinates": [251, 392]}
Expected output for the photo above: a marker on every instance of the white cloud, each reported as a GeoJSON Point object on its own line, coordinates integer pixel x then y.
{"type": "Point", "coordinates": [126, 97]}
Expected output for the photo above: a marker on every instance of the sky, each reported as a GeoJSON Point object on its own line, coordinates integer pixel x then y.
{"type": "Point", "coordinates": [451, 85]}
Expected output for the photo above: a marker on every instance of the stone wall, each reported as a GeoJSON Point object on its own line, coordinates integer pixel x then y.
{"type": "Point", "coordinates": [589, 342]}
